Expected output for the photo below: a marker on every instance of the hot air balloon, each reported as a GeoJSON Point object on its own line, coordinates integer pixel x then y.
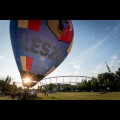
{"type": "Point", "coordinates": [39, 47]}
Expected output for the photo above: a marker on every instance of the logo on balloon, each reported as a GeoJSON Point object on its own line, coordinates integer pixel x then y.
{"type": "Point", "coordinates": [62, 29]}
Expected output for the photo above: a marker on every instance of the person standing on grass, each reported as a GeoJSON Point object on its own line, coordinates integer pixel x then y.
{"type": "Point", "coordinates": [47, 93]}
{"type": "Point", "coordinates": [13, 90]}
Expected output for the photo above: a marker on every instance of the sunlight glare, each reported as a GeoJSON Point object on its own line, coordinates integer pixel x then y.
{"type": "Point", "coordinates": [27, 80]}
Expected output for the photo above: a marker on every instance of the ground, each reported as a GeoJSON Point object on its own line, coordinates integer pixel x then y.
{"type": "Point", "coordinates": [74, 96]}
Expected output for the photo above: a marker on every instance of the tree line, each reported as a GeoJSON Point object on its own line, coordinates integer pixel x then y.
{"type": "Point", "coordinates": [6, 86]}
{"type": "Point", "coordinates": [104, 81]}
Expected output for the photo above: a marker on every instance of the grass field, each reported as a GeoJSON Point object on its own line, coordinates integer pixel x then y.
{"type": "Point", "coordinates": [74, 96]}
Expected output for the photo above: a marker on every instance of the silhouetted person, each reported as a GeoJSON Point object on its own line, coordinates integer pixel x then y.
{"type": "Point", "coordinates": [13, 96]}
{"type": "Point", "coordinates": [25, 95]}
{"type": "Point", "coordinates": [46, 93]}
{"type": "Point", "coordinates": [19, 95]}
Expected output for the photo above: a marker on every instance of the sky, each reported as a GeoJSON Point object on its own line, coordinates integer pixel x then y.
{"type": "Point", "coordinates": [95, 41]}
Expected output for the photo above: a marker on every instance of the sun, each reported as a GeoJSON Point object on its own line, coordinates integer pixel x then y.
{"type": "Point", "coordinates": [27, 80]}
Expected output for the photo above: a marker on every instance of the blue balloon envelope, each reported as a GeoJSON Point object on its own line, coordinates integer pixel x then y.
{"type": "Point", "coordinates": [39, 46]}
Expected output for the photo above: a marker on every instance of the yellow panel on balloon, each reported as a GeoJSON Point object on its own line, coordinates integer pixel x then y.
{"type": "Point", "coordinates": [23, 62]}
{"type": "Point", "coordinates": [53, 25]}
{"type": "Point", "coordinates": [23, 23]}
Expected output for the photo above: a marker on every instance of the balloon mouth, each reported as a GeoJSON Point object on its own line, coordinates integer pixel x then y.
{"type": "Point", "coordinates": [30, 79]}
{"type": "Point", "coordinates": [26, 80]}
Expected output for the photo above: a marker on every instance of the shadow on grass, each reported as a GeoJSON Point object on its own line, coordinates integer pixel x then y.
{"type": "Point", "coordinates": [53, 97]}
{"type": "Point", "coordinates": [37, 98]}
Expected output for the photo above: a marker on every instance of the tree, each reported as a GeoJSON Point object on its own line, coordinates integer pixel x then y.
{"type": "Point", "coordinates": [66, 88]}
{"type": "Point", "coordinates": [50, 87]}
{"type": "Point", "coordinates": [89, 85]}
{"type": "Point", "coordinates": [1, 84]}
{"type": "Point", "coordinates": [6, 85]}
{"type": "Point", "coordinates": [108, 80]}
{"type": "Point", "coordinates": [9, 80]}
{"type": "Point", "coordinates": [58, 87]}
{"type": "Point", "coordinates": [118, 73]}
{"type": "Point", "coordinates": [83, 85]}
{"type": "Point", "coordinates": [13, 88]}
{"type": "Point", "coordinates": [94, 84]}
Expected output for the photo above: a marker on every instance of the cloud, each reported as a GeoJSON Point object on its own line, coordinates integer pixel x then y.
{"type": "Point", "coordinates": [94, 71]}
{"type": "Point", "coordinates": [77, 64]}
{"type": "Point", "coordinates": [107, 28]}
{"type": "Point", "coordinates": [1, 57]}
{"type": "Point", "coordinates": [77, 72]}
{"type": "Point", "coordinates": [94, 46]}
{"type": "Point", "coordinates": [93, 39]}
{"type": "Point", "coordinates": [114, 57]}
{"type": "Point", "coordinates": [69, 56]}
{"type": "Point", "coordinates": [81, 58]}
{"type": "Point", "coordinates": [115, 29]}
{"type": "Point", "coordinates": [99, 68]}
{"type": "Point", "coordinates": [111, 33]}
{"type": "Point", "coordinates": [78, 61]}
{"type": "Point", "coordinates": [113, 63]}
{"type": "Point", "coordinates": [118, 61]}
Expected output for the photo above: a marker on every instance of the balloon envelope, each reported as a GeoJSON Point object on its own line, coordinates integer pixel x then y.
{"type": "Point", "coordinates": [39, 46]}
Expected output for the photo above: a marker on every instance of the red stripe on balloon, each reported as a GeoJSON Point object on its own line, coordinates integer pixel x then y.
{"type": "Point", "coordinates": [66, 35]}
{"type": "Point", "coordinates": [28, 64]}
{"type": "Point", "coordinates": [34, 24]}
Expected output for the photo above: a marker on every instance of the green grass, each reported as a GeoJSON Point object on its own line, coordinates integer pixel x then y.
{"type": "Point", "coordinates": [5, 98]}
{"type": "Point", "coordinates": [74, 96]}
{"type": "Point", "coordinates": [80, 96]}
